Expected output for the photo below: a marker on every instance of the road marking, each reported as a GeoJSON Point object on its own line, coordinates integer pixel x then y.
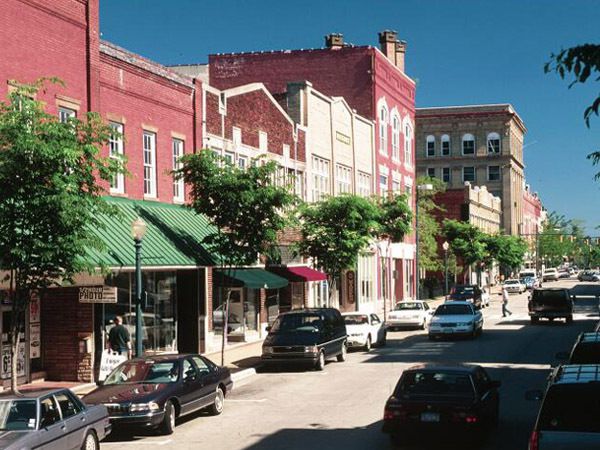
{"type": "Point", "coordinates": [246, 400]}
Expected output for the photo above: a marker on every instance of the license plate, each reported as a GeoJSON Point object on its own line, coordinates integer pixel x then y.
{"type": "Point", "coordinates": [430, 417]}
{"type": "Point", "coordinates": [448, 330]}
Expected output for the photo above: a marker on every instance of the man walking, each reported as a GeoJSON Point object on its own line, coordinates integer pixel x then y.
{"type": "Point", "coordinates": [119, 340]}
{"type": "Point", "coordinates": [505, 310]}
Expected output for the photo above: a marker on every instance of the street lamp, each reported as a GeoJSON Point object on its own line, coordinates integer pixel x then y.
{"type": "Point", "coordinates": [138, 230]}
{"type": "Point", "coordinates": [384, 247]}
{"type": "Point", "coordinates": [445, 246]}
{"type": "Point", "coordinates": [420, 187]}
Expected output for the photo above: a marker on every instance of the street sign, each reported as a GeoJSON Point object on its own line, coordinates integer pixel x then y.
{"type": "Point", "coordinates": [97, 294]}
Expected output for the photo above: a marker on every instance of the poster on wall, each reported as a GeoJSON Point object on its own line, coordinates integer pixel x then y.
{"type": "Point", "coordinates": [34, 340]}
{"type": "Point", "coordinates": [5, 367]}
{"type": "Point", "coordinates": [34, 310]}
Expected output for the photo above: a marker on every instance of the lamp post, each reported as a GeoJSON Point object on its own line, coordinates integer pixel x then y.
{"type": "Point", "coordinates": [420, 187]}
{"type": "Point", "coordinates": [138, 230]}
{"type": "Point", "coordinates": [445, 246]}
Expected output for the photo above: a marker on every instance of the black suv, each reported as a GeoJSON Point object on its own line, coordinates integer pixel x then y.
{"type": "Point", "coordinates": [467, 292]}
{"type": "Point", "coordinates": [550, 303]}
{"type": "Point", "coordinates": [586, 349]}
{"type": "Point", "coordinates": [306, 336]}
{"type": "Point", "coordinates": [569, 417]}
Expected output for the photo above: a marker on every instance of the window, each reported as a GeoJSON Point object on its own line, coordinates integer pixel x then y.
{"type": "Point", "coordinates": [446, 174]}
{"type": "Point", "coordinates": [178, 188]}
{"type": "Point", "coordinates": [115, 148]}
{"type": "Point", "coordinates": [445, 145]}
{"type": "Point", "coordinates": [469, 174]}
{"type": "Point", "coordinates": [343, 175]}
{"type": "Point", "coordinates": [383, 185]}
{"type": "Point", "coordinates": [430, 145]}
{"type": "Point", "coordinates": [229, 157]}
{"type": "Point", "coordinates": [468, 144]}
{"type": "Point", "coordinates": [149, 164]}
{"type": "Point", "coordinates": [493, 143]}
{"type": "Point", "coordinates": [201, 365]}
{"type": "Point", "coordinates": [286, 151]}
{"type": "Point", "coordinates": [67, 405]}
{"type": "Point", "coordinates": [320, 170]}
{"type": "Point", "coordinates": [242, 162]}
{"type": "Point", "coordinates": [408, 159]}
{"type": "Point", "coordinates": [396, 137]}
{"type": "Point", "coordinates": [383, 123]}
{"type": "Point", "coordinates": [263, 141]}
{"type": "Point", "coordinates": [364, 184]}
{"type": "Point", "coordinates": [431, 172]}
{"type": "Point", "coordinates": [493, 173]}
{"type": "Point", "coordinates": [49, 413]}
{"type": "Point", "coordinates": [298, 182]}
{"type": "Point", "coordinates": [65, 114]}
{"type": "Point", "coordinates": [395, 186]}
{"type": "Point", "coordinates": [236, 137]}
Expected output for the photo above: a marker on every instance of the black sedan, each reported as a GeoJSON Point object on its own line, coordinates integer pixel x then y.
{"type": "Point", "coordinates": [432, 400]}
{"type": "Point", "coordinates": [150, 392]}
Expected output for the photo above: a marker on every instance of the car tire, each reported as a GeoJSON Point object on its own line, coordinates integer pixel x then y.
{"type": "Point", "coordinates": [320, 364]}
{"type": "Point", "coordinates": [368, 344]}
{"type": "Point", "coordinates": [431, 337]}
{"type": "Point", "coordinates": [90, 442]}
{"type": "Point", "coordinates": [219, 403]}
{"type": "Point", "coordinates": [342, 356]}
{"type": "Point", "coordinates": [535, 320]}
{"type": "Point", "coordinates": [423, 325]}
{"type": "Point", "coordinates": [168, 424]}
{"type": "Point", "coordinates": [569, 319]}
{"type": "Point", "coordinates": [383, 340]}
{"type": "Point", "coordinates": [474, 333]}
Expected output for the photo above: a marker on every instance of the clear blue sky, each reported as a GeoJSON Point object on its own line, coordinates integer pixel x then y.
{"type": "Point", "coordinates": [460, 51]}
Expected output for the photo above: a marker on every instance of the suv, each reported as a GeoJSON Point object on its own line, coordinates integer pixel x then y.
{"type": "Point", "coordinates": [586, 349]}
{"type": "Point", "coordinates": [466, 293]}
{"type": "Point", "coordinates": [550, 275]}
{"type": "Point", "coordinates": [568, 417]}
{"type": "Point", "coordinates": [550, 303]}
{"type": "Point", "coordinates": [306, 336]}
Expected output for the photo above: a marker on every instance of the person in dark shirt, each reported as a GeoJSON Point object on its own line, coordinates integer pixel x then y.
{"type": "Point", "coordinates": [118, 338]}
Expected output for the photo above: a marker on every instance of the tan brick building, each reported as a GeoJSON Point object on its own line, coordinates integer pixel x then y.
{"type": "Point", "coordinates": [481, 144]}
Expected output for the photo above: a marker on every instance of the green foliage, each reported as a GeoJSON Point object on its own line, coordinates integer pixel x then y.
{"type": "Point", "coordinates": [508, 251]}
{"type": "Point", "coordinates": [466, 241]}
{"type": "Point", "coordinates": [395, 217]}
{"type": "Point", "coordinates": [429, 227]}
{"type": "Point", "coordinates": [246, 205]}
{"type": "Point", "coordinates": [51, 200]}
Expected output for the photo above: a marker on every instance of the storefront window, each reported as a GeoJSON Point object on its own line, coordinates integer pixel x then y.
{"type": "Point", "coordinates": [243, 310]}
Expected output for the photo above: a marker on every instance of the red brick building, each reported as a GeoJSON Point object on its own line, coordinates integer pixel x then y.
{"type": "Point", "coordinates": [531, 225]}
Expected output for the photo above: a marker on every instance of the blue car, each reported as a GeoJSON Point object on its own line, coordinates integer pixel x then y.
{"type": "Point", "coordinates": [530, 282]}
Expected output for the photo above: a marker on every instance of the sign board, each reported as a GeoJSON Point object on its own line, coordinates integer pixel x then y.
{"type": "Point", "coordinates": [343, 138]}
{"type": "Point", "coordinates": [35, 340]}
{"type": "Point", "coordinates": [34, 310]}
{"type": "Point", "coordinates": [5, 366]}
{"type": "Point", "coordinates": [350, 286]}
{"type": "Point", "coordinates": [97, 294]}
{"type": "Point", "coordinates": [108, 362]}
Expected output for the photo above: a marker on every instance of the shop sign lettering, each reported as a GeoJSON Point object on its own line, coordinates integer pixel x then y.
{"type": "Point", "coordinates": [97, 294]}
{"type": "Point", "coordinates": [343, 138]}
{"type": "Point", "coordinates": [5, 367]}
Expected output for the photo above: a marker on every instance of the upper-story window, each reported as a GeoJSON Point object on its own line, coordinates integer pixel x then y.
{"type": "Point", "coordinates": [242, 161]}
{"type": "Point", "coordinates": [469, 174]}
{"type": "Point", "coordinates": [408, 138]}
{"type": "Point", "coordinates": [396, 186]}
{"type": "Point", "coordinates": [493, 173]}
{"type": "Point", "coordinates": [149, 164]}
{"type": "Point", "coordinates": [445, 145]}
{"type": "Point", "coordinates": [395, 137]}
{"type": "Point", "coordinates": [430, 144]}
{"type": "Point", "coordinates": [229, 157]}
{"type": "Point", "coordinates": [383, 126]}
{"type": "Point", "coordinates": [431, 172]}
{"type": "Point", "coordinates": [343, 175]}
{"type": "Point", "coordinates": [65, 114]}
{"type": "Point", "coordinates": [320, 174]}
{"type": "Point", "coordinates": [446, 174]}
{"type": "Point", "coordinates": [468, 144]}
{"type": "Point", "coordinates": [178, 186]}
{"type": "Point", "coordinates": [493, 143]}
{"type": "Point", "coordinates": [263, 141]}
{"type": "Point", "coordinates": [115, 150]}
{"type": "Point", "coordinates": [383, 185]}
{"type": "Point", "coordinates": [364, 184]}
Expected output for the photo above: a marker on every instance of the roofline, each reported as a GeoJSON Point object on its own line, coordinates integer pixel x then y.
{"type": "Point", "coordinates": [286, 52]}
{"type": "Point", "coordinates": [409, 79]}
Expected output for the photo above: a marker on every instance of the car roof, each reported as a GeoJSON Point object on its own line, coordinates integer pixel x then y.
{"type": "Point", "coordinates": [454, 367]}
{"type": "Point", "coordinates": [308, 310]}
{"type": "Point", "coordinates": [164, 357]}
{"type": "Point", "coordinates": [465, 285]}
{"type": "Point", "coordinates": [577, 374]}
{"type": "Point", "coordinates": [32, 393]}
{"type": "Point", "coordinates": [550, 289]}
{"type": "Point", "coordinates": [457, 302]}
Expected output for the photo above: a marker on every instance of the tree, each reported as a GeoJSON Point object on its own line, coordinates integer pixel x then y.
{"type": "Point", "coordinates": [395, 217]}
{"type": "Point", "coordinates": [508, 251]}
{"type": "Point", "coordinates": [429, 227]}
{"type": "Point", "coordinates": [466, 241]}
{"type": "Point", "coordinates": [247, 206]}
{"type": "Point", "coordinates": [51, 200]}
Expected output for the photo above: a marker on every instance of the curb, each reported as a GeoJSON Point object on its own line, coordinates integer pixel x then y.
{"type": "Point", "coordinates": [83, 389]}
{"type": "Point", "coordinates": [243, 374]}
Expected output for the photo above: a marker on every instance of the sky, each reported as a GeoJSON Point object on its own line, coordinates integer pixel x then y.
{"type": "Point", "coordinates": [460, 52]}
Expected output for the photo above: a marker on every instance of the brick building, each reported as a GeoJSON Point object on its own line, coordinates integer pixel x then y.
{"type": "Point", "coordinates": [532, 225]}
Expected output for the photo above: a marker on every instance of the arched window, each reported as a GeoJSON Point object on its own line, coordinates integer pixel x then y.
{"type": "Point", "coordinates": [430, 145]}
{"type": "Point", "coordinates": [445, 145]}
{"type": "Point", "coordinates": [383, 126]}
{"type": "Point", "coordinates": [468, 144]}
{"type": "Point", "coordinates": [395, 136]}
{"type": "Point", "coordinates": [493, 143]}
{"type": "Point", "coordinates": [408, 149]}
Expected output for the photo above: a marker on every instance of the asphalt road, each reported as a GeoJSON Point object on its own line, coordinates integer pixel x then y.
{"type": "Point", "coordinates": [342, 407]}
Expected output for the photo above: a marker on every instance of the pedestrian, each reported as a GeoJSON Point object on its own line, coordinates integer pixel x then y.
{"type": "Point", "coordinates": [119, 340]}
{"type": "Point", "coordinates": [505, 310]}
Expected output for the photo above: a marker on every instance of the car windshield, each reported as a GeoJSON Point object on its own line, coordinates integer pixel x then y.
{"type": "Point", "coordinates": [449, 310]}
{"type": "Point", "coordinates": [573, 408]}
{"type": "Point", "coordinates": [297, 323]}
{"type": "Point", "coordinates": [18, 415]}
{"type": "Point", "coordinates": [153, 372]}
{"type": "Point", "coordinates": [404, 306]}
{"type": "Point", "coordinates": [356, 319]}
{"type": "Point", "coordinates": [460, 290]}
{"type": "Point", "coordinates": [435, 383]}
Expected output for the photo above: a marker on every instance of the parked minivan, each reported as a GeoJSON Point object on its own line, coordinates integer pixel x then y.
{"type": "Point", "coordinates": [306, 336]}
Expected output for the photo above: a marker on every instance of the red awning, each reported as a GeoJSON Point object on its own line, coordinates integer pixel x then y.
{"type": "Point", "coordinates": [298, 273]}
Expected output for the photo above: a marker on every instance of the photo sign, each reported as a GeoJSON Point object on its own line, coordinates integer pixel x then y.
{"type": "Point", "coordinates": [97, 294]}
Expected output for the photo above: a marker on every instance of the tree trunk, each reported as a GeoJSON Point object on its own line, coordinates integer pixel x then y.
{"type": "Point", "coordinates": [332, 291]}
{"type": "Point", "coordinates": [19, 304]}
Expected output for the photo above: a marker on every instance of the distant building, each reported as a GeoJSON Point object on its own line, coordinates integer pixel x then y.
{"type": "Point", "coordinates": [532, 225]}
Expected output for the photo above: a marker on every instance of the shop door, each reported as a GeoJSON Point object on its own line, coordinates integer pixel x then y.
{"type": "Point", "coordinates": [236, 321]}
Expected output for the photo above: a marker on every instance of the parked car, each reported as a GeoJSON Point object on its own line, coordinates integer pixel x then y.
{"type": "Point", "coordinates": [527, 273]}
{"type": "Point", "coordinates": [152, 391]}
{"type": "Point", "coordinates": [514, 286]}
{"type": "Point", "coordinates": [568, 417]}
{"type": "Point", "coordinates": [586, 349]}
{"type": "Point", "coordinates": [530, 282]}
{"type": "Point", "coordinates": [550, 303]}
{"type": "Point", "coordinates": [409, 313]}
{"type": "Point", "coordinates": [51, 419]}
{"type": "Point", "coordinates": [448, 398]}
{"type": "Point", "coordinates": [470, 293]}
{"type": "Point", "coordinates": [306, 336]}
{"type": "Point", "coordinates": [588, 275]}
{"type": "Point", "coordinates": [550, 275]}
{"type": "Point", "coordinates": [364, 330]}
{"type": "Point", "coordinates": [456, 318]}
{"type": "Point", "coordinates": [564, 274]}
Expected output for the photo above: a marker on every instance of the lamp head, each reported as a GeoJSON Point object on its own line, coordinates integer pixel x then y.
{"type": "Point", "coordinates": [138, 229]}
{"type": "Point", "coordinates": [445, 246]}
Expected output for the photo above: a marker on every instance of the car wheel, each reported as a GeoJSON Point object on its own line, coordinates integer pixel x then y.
{"type": "Point", "coordinates": [90, 442]}
{"type": "Point", "coordinates": [474, 332]}
{"type": "Point", "coordinates": [424, 324]}
{"type": "Point", "coordinates": [431, 337]}
{"type": "Point", "coordinates": [168, 424]}
{"type": "Point", "coordinates": [217, 407]}
{"type": "Point", "coordinates": [320, 365]}
{"type": "Point", "coordinates": [383, 339]}
{"type": "Point", "coordinates": [368, 344]}
{"type": "Point", "coordinates": [535, 320]}
{"type": "Point", "coordinates": [342, 356]}
{"type": "Point", "coordinates": [569, 319]}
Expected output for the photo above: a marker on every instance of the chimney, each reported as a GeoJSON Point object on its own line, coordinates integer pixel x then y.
{"type": "Point", "coordinates": [334, 41]}
{"type": "Point", "coordinates": [400, 53]}
{"type": "Point", "coordinates": [387, 43]}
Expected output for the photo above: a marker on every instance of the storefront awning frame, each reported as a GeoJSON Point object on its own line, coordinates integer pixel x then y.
{"type": "Point", "coordinates": [251, 277]}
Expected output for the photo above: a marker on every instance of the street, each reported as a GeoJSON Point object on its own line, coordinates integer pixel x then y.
{"type": "Point", "coordinates": [342, 406]}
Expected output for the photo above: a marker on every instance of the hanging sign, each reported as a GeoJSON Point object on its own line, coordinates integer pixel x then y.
{"type": "Point", "coordinates": [97, 294]}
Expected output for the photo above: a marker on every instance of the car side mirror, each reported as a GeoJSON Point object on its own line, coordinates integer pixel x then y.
{"type": "Point", "coordinates": [534, 395]}
{"type": "Point", "coordinates": [495, 384]}
{"type": "Point", "coordinates": [562, 356]}
{"type": "Point", "coordinates": [267, 329]}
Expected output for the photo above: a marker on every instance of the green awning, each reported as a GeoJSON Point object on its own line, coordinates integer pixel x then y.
{"type": "Point", "coordinates": [253, 278]}
{"type": "Point", "coordinates": [174, 236]}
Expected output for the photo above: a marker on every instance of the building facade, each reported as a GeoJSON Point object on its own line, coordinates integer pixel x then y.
{"type": "Point", "coordinates": [532, 226]}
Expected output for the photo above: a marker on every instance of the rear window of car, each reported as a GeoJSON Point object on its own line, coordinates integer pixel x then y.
{"type": "Point", "coordinates": [550, 297]}
{"type": "Point", "coordinates": [356, 319]}
{"type": "Point", "coordinates": [588, 353]}
{"type": "Point", "coordinates": [571, 408]}
{"type": "Point", "coordinates": [463, 290]}
{"type": "Point", "coordinates": [435, 383]}
{"type": "Point", "coordinates": [448, 310]}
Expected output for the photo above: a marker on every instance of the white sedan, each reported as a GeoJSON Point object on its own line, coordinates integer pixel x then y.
{"type": "Point", "coordinates": [456, 318]}
{"type": "Point", "coordinates": [513, 286]}
{"type": "Point", "coordinates": [409, 313]}
{"type": "Point", "coordinates": [364, 330]}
